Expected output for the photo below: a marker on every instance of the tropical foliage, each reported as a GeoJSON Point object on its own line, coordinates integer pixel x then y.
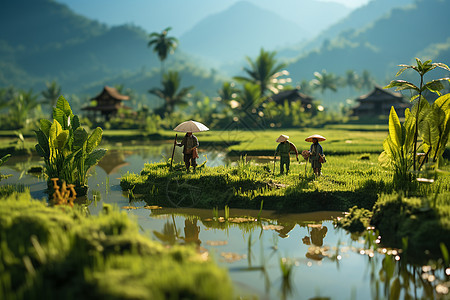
{"type": "Point", "coordinates": [162, 45]}
{"type": "Point", "coordinates": [171, 93]}
{"type": "Point", "coordinates": [430, 123]}
{"type": "Point", "coordinates": [66, 147]}
{"type": "Point", "coordinates": [264, 72]}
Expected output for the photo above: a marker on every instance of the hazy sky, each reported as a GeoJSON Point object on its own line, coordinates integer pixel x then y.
{"type": "Point", "coordinates": [349, 3]}
{"type": "Point", "coordinates": [153, 14]}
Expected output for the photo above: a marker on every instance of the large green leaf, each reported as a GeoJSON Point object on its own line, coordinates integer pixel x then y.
{"type": "Point", "coordinates": [429, 134]}
{"type": "Point", "coordinates": [45, 126]}
{"type": "Point", "coordinates": [59, 116]}
{"type": "Point", "coordinates": [79, 137]}
{"type": "Point", "coordinates": [444, 136]}
{"type": "Point", "coordinates": [94, 139]}
{"type": "Point", "coordinates": [93, 158]}
{"type": "Point", "coordinates": [75, 122]}
{"type": "Point", "coordinates": [68, 159]}
{"type": "Point", "coordinates": [62, 138]}
{"type": "Point", "coordinates": [395, 128]}
{"type": "Point", "coordinates": [401, 85]}
{"type": "Point", "coordinates": [442, 66]}
{"type": "Point", "coordinates": [4, 159]}
{"type": "Point", "coordinates": [435, 86]}
{"type": "Point", "coordinates": [442, 103]}
{"type": "Point", "coordinates": [41, 151]}
{"type": "Point", "coordinates": [420, 112]}
{"type": "Point", "coordinates": [64, 106]}
{"type": "Point", "coordinates": [43, 142]}
{"type": "Point", "coordinates": [55, 129]}
{"type": "Point", "coordinates": [410, 126]}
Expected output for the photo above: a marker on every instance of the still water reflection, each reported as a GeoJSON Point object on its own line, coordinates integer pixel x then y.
{"type": "Point", "coordinates": [290, 256]}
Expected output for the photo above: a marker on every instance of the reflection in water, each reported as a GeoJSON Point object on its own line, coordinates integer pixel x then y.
{"type": "Point", "coordinates": [113, 161]}
{"type": "Point", "coordinates": [318, 233]}
{"type": "Point", "coordinates": [356, 270]}
{"type": "Point", "coordinates": [287, 227]}
{"type": "Point", "coordinates": [191, 231]}
{"type": "Point", "coordinates": [169, 235]}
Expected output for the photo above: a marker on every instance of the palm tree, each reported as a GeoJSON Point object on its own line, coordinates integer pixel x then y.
{"type": "Point", "coordinates": [263, 72]}
{"type": "Point", "coordinates": [170, 93]}
{"type": "Point", "coordinates": [162, 44]}
{"type": "Point", "coordinates": [249, 97]}
{"type": "Point", "coordinates": [21, 107]}
{"type": "Point", "coordinates": [306, 87]}
{"type": "Point", "coordinates": [228, 92]}
{"type": "Point", "coordinates": [325, 81]}
{"type": "Point", "coordinates": [366, 81]}
{"type": "Point", "coordinates": [351, 79]}
{"type": "Point", "coordinates": [51, 95]}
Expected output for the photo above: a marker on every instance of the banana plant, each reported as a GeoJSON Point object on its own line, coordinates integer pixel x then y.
{"type": "Point", "coordinates": [68, 150]}
{"type": "Point", "coordinates": [435, 128]}
{"type": "Point", "coordinates": [434, 86]}
{"type": "Point", "coordinates": [398, 146]}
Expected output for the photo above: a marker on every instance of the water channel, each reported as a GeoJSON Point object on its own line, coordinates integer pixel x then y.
{"type": "Point", "coordinates": [319, 260]}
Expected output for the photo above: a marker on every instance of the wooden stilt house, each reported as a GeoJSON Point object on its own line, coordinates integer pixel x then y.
{"type": "Point", "coordinates": [107, 103]}
{"type": "Point", "coordinates": [378, 103]}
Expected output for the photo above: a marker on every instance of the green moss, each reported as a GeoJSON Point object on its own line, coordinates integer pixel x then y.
{"type": "Point", "coordinates": [59, 252]}
{"type": "Point", "coordinates": [357, 220]}
{"type": "Point", "coordinates": [413, 220]}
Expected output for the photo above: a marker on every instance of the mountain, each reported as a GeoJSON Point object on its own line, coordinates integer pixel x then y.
{"type": "Point", "coordinates": [395, 38]}
{"type": "Point", "coordinates": [182, 15]}
{"type": "Point", "coordinates": [313, 16]}
{"type": "Point", "coordinates": [357, 19]}
{"type": "Point", "coordinates": [42, 40]}
{"type": "Point", "coordinates": [242, 30]}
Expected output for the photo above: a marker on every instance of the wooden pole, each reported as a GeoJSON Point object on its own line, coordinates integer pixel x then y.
{"type": "Point", "coordinates": [173, 151]}
{"type": "Point", "coordinates": [274, 161]}
{"type": "Point", "coordinates": [306, 165]}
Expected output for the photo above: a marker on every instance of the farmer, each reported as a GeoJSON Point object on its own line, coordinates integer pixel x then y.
{"type": "Point", "coordinates": [316, 153]}
{"type": "Point", "coordinates": [284, 148]}
{"type": "Point", "coordinates": [190, 155]}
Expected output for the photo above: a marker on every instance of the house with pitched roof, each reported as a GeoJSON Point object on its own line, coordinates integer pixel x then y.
{"type": "Point", "coordinates": [107, 103]}
{"type": "Point", "coordinates": [378, 102]}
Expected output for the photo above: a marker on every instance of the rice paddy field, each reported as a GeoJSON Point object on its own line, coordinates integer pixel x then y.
{"type": "Point", "coordinates": [235, 224]}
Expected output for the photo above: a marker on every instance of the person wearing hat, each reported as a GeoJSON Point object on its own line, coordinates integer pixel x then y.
{"type": "Point", "coordinates": [190, 143]}
{"type": "Point", "coordinates": [316, 151]}
{"type": "Point", "coordinates": [284, 148]}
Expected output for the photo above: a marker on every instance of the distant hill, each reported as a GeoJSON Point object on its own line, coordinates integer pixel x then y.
{"type": "Point", "coordinates": [395, 38]}
{"type": "Point", "coordinates": [357, 19]}
{"type": "Point", "coordinates": [42, 40]}
{"type": "Point", "coordinates": [242, 30]}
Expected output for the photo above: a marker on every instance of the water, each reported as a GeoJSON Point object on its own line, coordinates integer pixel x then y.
{"type": "Point", "coordinates": [324, 261]}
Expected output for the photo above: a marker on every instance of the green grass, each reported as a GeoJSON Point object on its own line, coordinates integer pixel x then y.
{"type": "Point", "coordinates": [346, 181]}
{"type": "Point", "coordinates": [61, 253]}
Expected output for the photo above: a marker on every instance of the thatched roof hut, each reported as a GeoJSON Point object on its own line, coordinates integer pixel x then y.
{"type": "Point", "coordinates": [379, 102]}
{"type": "Point", "coordinates": [108, 102]}
{"type": "Point", "coordinates": [292, 96]}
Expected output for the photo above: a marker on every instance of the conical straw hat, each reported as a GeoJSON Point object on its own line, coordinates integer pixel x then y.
{"type": "Point", "coordinates": [282, 138]}
{"type": "Point", "coordinates": [315, 136]}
